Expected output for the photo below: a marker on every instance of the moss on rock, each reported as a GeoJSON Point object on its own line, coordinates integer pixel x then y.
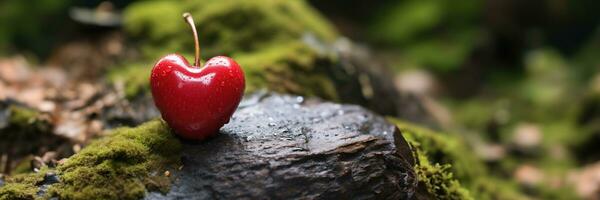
{"type": "Point", "coordinates": [23, 186]}
{"type": "Point", "coordinates": [443, 148]}
{"type": "Point", "coordinates": [21, 124]}
{"type": "Point", "coordinates": [439, 181]}
{"type": "Point", "coordinates": [18, 191]}
{"type": "Point", "coordinates": [290, 67]}
{"type": "Point", "coordinates": [21, 116]}
{"type": "Point", "coordinates": [225, 27]}
{"type": "Point", "coordinates": [119, 166]}
{"type": "Point", "coordinates": [449, 169]}
{"type": "Point", "coordinates": [24, 123]}
{"type": "Point", "coordinates": [123, 165]}
{"type": "Point", "coordinates": [438, 159]}
{"type": "Point", "coordinates": [264, 37]}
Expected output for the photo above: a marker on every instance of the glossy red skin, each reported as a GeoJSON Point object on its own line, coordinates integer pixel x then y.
{"type": "Point", "coordinates": [196, 102]}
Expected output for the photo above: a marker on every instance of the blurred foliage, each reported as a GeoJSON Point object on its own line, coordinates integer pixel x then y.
{"type": "Point", "coordinates": [437, 34]}
{"type": "Point", "coordinates": [30, 26]}
{"type": "Point", "coordinates": [587, 57]}
{"type": "Point", "coordinates": [550, 95]}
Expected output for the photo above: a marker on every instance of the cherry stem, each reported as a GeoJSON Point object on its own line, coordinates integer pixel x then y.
{"type": "Point", "coordinates": [190, 21]}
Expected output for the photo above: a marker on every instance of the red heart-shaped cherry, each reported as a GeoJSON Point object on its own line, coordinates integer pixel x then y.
{"type": "Point", "coordinates": [194, 101]}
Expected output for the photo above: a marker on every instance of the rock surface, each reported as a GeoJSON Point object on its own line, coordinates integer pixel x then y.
{"type": "Point", "coordinates": [285, 147]}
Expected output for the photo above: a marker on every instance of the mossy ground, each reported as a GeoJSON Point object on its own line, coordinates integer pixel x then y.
{"type": "Point", "coordinates": [18, 191]}
{"type": "Point", "coordinates": [23, 186]}
{"type": "Point", "coordinates": [124, 165]}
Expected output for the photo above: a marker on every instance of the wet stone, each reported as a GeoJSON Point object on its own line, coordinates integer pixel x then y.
{"type": "Point", "coordinates": [288, 147]}
{"type": "Point", "coordinates": [49, 179]}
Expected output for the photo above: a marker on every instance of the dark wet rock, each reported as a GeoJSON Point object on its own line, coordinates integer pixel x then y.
{"type": "Point", "coordinates": [49, 179]}
{"type": "Point", "coordinates": [286, 147]}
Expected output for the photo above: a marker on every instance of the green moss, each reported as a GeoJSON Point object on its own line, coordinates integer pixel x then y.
{"type": "Point", "coordinates": [119, 166]}
{"type": "Point", "coordinates": [22, 116]}
{"type": "Point", "coordinates": [22, 124]}
{"type": "Point", "coordinates": [18, 191]}
{"type": "Point", "coordinates": [288, 67]}
{"type": "Point", "coordinates": [438, 159]}
{"type": "Point", "coordinates": [444, 149]}
{"type": "Point", "coordinates": [23, 186]}
{"type": "Point", "coordinates": [439, 181]}
{"type": "Point", "coordinates": [449, 169]}
{"type": "Point", "coordinates": [123, 165]}
{"type": "Point", "coordinates": [225, 27]}
{"type": "Point", "coordinates": [30, 179]}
